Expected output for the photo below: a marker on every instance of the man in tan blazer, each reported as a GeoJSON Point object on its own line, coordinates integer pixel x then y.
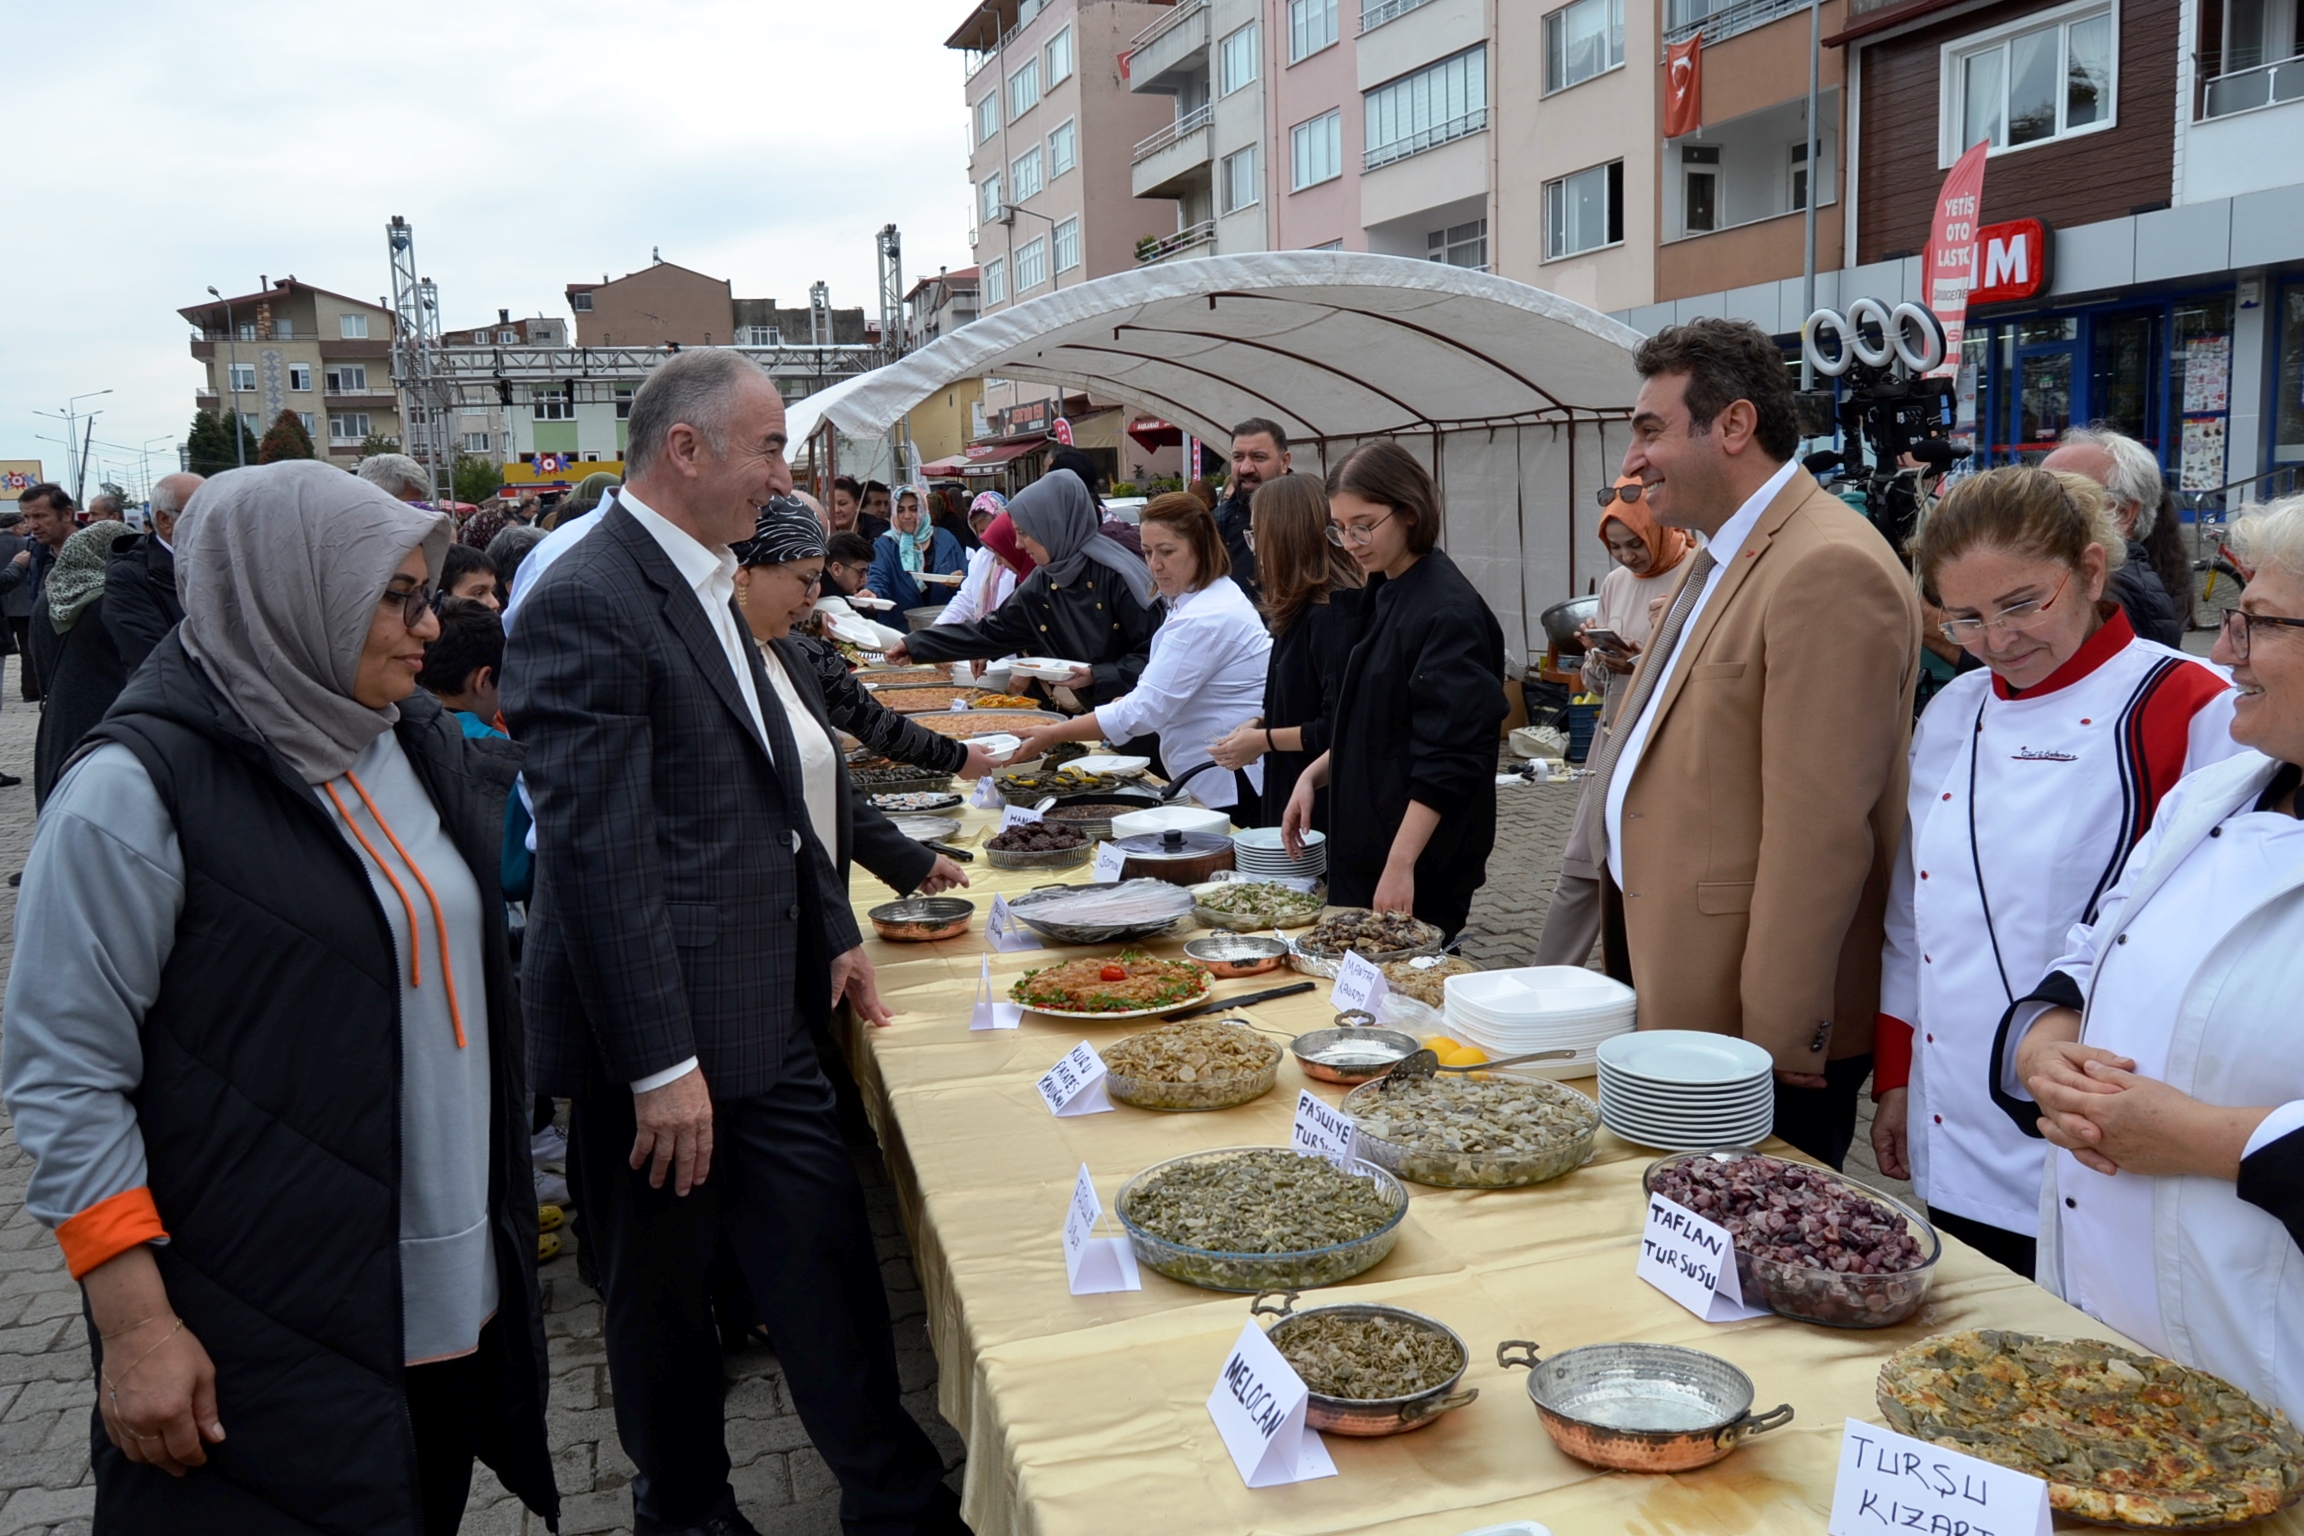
{"type": "Point", "coordinates": [1754, 787]}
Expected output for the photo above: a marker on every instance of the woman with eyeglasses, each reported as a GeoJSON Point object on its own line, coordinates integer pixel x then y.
{"type": "Point", "coordinates": [2032, 779]}
{"type": "Point", "coordinates": [2158, 1058]}
{"type": "Point", "coordinates": [1411, 769]}
{"type": "Point", "coordinates": [271, 1067]}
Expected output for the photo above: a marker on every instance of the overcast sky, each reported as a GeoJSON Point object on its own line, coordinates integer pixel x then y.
{"type": "Point", "coordinates": [156, 148]}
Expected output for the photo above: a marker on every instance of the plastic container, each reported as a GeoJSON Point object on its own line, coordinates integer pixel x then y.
{"type": "Point", "coordinates": [1825, 1296]}
{"type": "Point", "coordinates": [1298, 1270]}
{"type": "Point", "coordinates": [1481, 1170]}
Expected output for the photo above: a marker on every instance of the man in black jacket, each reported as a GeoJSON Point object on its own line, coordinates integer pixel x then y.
{"type": "Point", "coordinates": [140, 603]}
{"type": "Point", "coordinates": [2132, 481]}
{"type": "Point", "coordinates": [686, 928]}
{"type": "Point", "coordinates": [1259, 453]}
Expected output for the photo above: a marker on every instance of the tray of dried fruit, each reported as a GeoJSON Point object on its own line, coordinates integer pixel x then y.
{"type": "Point", "coordinates": [1129, 985]}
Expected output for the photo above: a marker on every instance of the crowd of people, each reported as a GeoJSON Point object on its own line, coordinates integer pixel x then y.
{"type": "Point", "coordinates": [550, 806]}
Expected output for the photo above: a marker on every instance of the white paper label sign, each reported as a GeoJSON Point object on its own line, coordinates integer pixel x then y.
{"type": "Point", "coordinates": [1075, 1085]}
{"type": "Point", "coordinates": [1324, 1129]}
{"type": "Point", "coordinates": [1110, 861]}
{"type": "Point", "coordinates": [1020, 816]}
{"type": "Point", "coordinates": [986, 795]}
{"type": "Point", "coordinates": [1005, 932]}
{"type": "Point", "coordinates": [1258, 1406]}
{"type": "Point", "coordinates": [1693, 1261]}
{"type": "Point", "coordinates": [989, 1012]}
{"type": "Point", "coordinates": [1095, 1264]}
{"type": "Point", "coordinates": [1359, 985]}
{"type": "Point", "coordinates": [1891, 1482]}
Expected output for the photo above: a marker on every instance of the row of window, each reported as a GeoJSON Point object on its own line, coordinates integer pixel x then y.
{"type": "Point", "coordinates": [1041, 73]}
{"type": "Point", "coordinates": [1032, 262]}
{"type": "Point", "coordinates": [552, 402]}
{"type": "Point", "coordinates": [349, 327]}
{"type": "Point", "coordinates": [343, 379]}
{"type": "Point", "coordinates": [1030, 171]}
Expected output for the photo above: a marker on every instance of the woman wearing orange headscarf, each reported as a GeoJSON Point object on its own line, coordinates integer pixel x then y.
{"type": "Point", "coordinates": [1647, 560]}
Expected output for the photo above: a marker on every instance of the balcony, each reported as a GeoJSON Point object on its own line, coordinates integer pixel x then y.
{"type": "Point", "coordinates": [1176, 159]}
{"type": "Point", "coordinates": [2245, 90]}
{"type": "Point", "coordinates": [1170, 49]}
{"type": "Point", "coordinates": [1718, 23]}
{"type": "Point", "coordinates": [1425, 138]}
{"type": "Point", "coordinates": [1374, 13]}
{"type": "Point", "coordinates": [1192, 240]}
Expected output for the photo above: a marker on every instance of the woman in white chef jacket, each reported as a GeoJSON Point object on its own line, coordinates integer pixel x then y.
{"type": "Point", "coordinates": [2032, 778]}
{"type": "Point", "coordinates": [1205, 671]}
{"type": "Point", "coordinates": [2160, 1056]}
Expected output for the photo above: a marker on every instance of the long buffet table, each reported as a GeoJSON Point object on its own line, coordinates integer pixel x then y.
{"type": "Point", "coordinates": [1086, 1414]}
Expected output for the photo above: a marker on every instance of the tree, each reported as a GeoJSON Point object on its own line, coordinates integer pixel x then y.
{"type": "Point", "coordinates": [476, 479]}
{"type": "Point", "coordinates": [284, 439]}
{"type": "Point", "coordinates": [377, 442]}
{"type": "Point", "coordinates": [208, 445]}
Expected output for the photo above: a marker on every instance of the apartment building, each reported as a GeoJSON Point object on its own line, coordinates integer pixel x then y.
{"type": "Point", "coordinates": [485, 431]}
{"type": "Point", "coordinates": [1207, 58]}
{"type": "Point", "coordinates": [290, 346]}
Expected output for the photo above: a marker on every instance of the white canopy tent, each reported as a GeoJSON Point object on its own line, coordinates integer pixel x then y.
{"type": "Point", "coordinates": [1515, 398]}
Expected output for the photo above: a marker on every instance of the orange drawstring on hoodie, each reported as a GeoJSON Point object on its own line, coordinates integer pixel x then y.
{"type": "Point", "coordinates": [415, 935]}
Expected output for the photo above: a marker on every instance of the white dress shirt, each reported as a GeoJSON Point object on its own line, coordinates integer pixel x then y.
{"type": "Point", "coordinates": [1724, 546]}
{"type": "Point", "coordinates": [1203, 676]}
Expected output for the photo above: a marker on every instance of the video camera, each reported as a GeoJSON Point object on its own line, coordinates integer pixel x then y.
{"type": "Point", "coordinates": [1890, 409]}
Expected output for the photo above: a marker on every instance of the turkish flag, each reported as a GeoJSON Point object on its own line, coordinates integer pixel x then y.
{"type": "Point", "coordinates": [1684, 87]}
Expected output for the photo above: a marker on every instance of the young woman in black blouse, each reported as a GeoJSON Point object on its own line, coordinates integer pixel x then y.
{"type": "Point", "coordinates": [1411, 768]}
{"type": "Point", "coordinates": [1311, 601]}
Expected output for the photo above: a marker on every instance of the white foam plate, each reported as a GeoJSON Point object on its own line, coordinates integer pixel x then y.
{"type": "Point", "coordinates": [1686, 1057]}
{"type": "Point", "coordinates": [1106, 762]}
{"type": "Point", "coordinates": [1047, 668]}
{"type": "Point", "coordinates": [999, 745]}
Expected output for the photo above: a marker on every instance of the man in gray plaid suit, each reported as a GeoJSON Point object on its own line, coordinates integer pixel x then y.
{"type": "Point", "coordinates": [687, 925]}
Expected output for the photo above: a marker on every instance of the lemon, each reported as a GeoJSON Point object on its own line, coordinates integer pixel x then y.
{"type": "Point", "coordinates": [1463, 1056]}
{"type": "Point", "coordinates": [1440, 1045]}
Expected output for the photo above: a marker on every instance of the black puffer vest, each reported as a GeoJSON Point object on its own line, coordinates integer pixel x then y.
{"type": "Point", "coordinates": [270, 1110]}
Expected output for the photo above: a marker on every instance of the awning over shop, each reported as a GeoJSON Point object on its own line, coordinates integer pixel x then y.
{"type": "Point", "coordinates": [985, 458]}
{"type": "Point", "coordinates": [1515, 397]}
{"type": "Point", "coordinates": [1152, 434]}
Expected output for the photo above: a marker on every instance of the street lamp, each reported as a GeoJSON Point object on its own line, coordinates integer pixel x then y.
{"type": "Point", "coordinates": [74, 449]}
{"type": "Point", "coordinates": [232, 379]}
{"type": "Point", "coordinates": [1055, 278]}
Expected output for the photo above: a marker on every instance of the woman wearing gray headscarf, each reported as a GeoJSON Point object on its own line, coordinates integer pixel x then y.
{"type": "Point", "coordinates": [72, 648]}
{"type": "Point", "coordinates": [269, 1068]}
{"type": "Point", "coordinates": [1088, 601]}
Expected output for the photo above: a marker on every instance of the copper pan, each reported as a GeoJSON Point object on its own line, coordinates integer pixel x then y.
{"type": "Point", "coordinates": [1641, 1407]}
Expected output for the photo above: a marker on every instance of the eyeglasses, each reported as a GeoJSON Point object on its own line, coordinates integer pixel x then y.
{"type": "Point", "coordinates": [2016, 618]}
{"type": "Point", "coordinates": [1339, 533]}
{"type": "Point", "coordinates": [2239, 624]}
{"type": "Point", "coordinates": [415, 602]}
{"type": "Point", "coordinates": [1624, 493]}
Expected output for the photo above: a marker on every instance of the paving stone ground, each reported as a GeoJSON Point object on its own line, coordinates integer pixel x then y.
{"type": "Point", "coordinates": [46, 1391]}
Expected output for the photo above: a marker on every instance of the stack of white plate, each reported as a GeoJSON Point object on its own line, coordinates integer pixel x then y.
{"type": "Point", "coordinates": [1682, 1090]}
{"type": "Point", "coordinates": [1540, 1008]}
{"type": "Point", "coordinates": [1259, 854]}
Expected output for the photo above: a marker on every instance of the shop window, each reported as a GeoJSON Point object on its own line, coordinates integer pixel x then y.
{"type": "Point", "coordinates": [2123, 362]}
{"type": "Point", "coordinates": [2200, 369]}
{"type": "Point", "coordinates": [2028, 83]}
{"type": "Point", "coordinates": [2288, 426]}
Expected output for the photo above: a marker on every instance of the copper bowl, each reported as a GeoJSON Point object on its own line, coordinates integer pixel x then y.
{"type": "Point", "coordinates": [1641, 1407]}
{"type": "Point", "coordinates": [1237, 954]}
{"type": "Point", "coordinates": [1354, 1051]}
{"type": "Point", "coordinates": [1371, 1416]}
{"type": "Point", "coordinates": [922, 919]}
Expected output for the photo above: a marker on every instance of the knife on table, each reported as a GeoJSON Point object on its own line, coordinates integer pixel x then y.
{"type": "Point", "coordinates": [1241, 1002]}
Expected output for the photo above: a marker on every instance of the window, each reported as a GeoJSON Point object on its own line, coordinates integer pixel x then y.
{"type": "Point", "coordinates": [351, 427]}
{"type": "Point", "coordinates": [987, 116]}
{"type": "Point", "coordinates": [352, 327]}
{"type": "Point", "coordinates": [475, 442]}
{"type": "Point", "coordinates": [1582, 40]}
{"type": "Point", "coordinates": [1059, 56]}
{"type": "Point", "coordinates": [1031, 265]}
{"type": "Point", "coordinates": [1024, 175]}
{"type": "Point", "coordinates": [1417, 112]}
{"type": "Point", "coordinates": [1699, 188]}
{"type": "Point", "coordinates": [1063, 148]}
{"type": "Point", "coordinates": [1240, 181]}
{"type": "Point", "coordinates": [1236, 60]}
{"type": "Point", "coordinates": [551, 402]}
{"type": "Point", "coordinates": [2253, 62]}
{"type": "Point", "coordinates": [1067, 245]}
{"type": "Point", "coordinates": [759, 336]}
{"type": "Point", "coordinates": [624, 401]}
{"type": "Point", "coordinates": [988, 199]}
{"type": "Point", "coordinates": [507, 338]}
{"type": "Point", "coordinates": [995, 281]}
{"type": "Point", "coordinates": [247, 330]}
{"type": "Point", "coordinates": [299, 376]}
{"type": "Point", "coordinates": [1024, 89]}
{"type": "Point", "coordinates": [243, 378]}
{"type": "Point", "coordinates": [1798, 189]}
{"type": "Point", "coordinates": [1585, 211]}
{"type": "Point", "coordinates": [580, 302]}
{"type": "Point", "coordinates": [283, 330]}
{"type": "Point", "coordinates": [1317, 150]}
{"type": "Point", "coordinates": [1459, 245]}
{"type": "Point", "coordinates": [1311, 27]}
{"type": "Point", "coordinates": [304, 420]}
{"type": "Point", "coordinates": [348, 379]}
{"type": "Point", "coordinates": [2030, 86]}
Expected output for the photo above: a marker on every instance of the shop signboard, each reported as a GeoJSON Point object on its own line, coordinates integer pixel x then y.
{"type": "Point", "coordinates": [1950, 271]}
{"type": "Point", "coordinates": [18, 476]}
{"type": "Point", "coordinates": [1032, 416]}
{"type": "Point", "coordinates": [2013, 261]}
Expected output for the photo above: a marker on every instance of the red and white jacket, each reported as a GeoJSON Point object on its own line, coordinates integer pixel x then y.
{"type": "Point", "coordinates": [2022, 812]}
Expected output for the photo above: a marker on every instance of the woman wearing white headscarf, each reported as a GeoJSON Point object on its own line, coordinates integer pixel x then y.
{"type": "Point", "coordinates": [913, 549]}
{"type": "Point", "coordinates": [270, 1067]}
{"type": "Point", "coordinates": [1088, 599]}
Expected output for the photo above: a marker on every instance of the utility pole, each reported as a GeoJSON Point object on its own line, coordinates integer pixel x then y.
{"type": "Point", "coordinates": [232, 379]}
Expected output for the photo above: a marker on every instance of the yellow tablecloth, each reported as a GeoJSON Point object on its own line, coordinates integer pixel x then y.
{"type": "Point", "coordinates": [1086, 1414]}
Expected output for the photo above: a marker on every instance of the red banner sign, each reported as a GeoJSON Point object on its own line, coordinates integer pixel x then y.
{"type": "Point", "coordinates": [1950, 270]}
{"type": "Point", "coordinates": [2013, 261]}
{"type": "Point", "coordinates": [1684, 87]}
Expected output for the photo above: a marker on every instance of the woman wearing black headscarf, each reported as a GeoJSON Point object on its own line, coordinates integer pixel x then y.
{"type": "Point", "coordinates": [1089, 600]}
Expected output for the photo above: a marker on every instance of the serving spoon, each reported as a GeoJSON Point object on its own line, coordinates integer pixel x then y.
{"type": "Point", "coordinates": [1418, 1065]}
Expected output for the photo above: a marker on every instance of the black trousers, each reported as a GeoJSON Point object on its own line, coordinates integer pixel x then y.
{"type": "Point", "coordinates": [448, 1405]}
{"type": "Point", "coordinates": [782, 1196]}
{"type": "Point", "coordinates": [20, 636]}
{"type": "Point", "coordinates": [2011, 1250]}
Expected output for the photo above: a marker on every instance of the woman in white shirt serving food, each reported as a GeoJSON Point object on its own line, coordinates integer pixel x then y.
{"type": "Point", "coordinates": [1205, 673]}
{"type": "Point", "coordinates": [2159, 1057]}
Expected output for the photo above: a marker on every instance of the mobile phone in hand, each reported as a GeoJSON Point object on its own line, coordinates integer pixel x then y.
{"type": "Point", "coordinates": [1607, 640]}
